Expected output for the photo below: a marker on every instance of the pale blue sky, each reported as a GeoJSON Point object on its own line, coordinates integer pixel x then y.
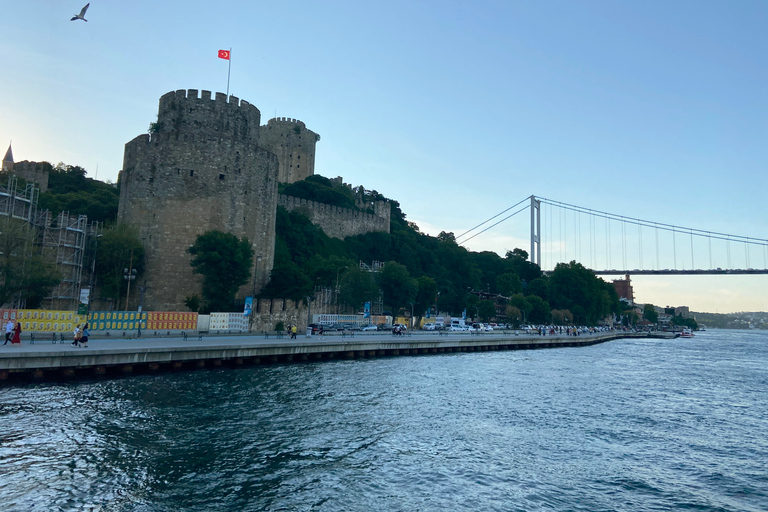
{"type": "Point", "coordinates": [655, 110]}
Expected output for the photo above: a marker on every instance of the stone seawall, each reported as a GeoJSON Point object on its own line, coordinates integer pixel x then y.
{"type": "Point", "coordinates": [20, 364]}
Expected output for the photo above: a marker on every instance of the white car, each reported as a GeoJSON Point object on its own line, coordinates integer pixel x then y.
{"type": "Point", "coordinates": [369, 327]}
{"type": "Point", "coordinates": [459, 328]}
{"type": "Point", "coordinates": [428, 327]}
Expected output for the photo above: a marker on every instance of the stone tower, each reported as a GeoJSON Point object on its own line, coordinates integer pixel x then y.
{"type": "Point", "coordinates": [7, 164]}
{"type": "Point", "coordinates": [200, 169]}
{"type": "Point", "coordinates": [294, 146]}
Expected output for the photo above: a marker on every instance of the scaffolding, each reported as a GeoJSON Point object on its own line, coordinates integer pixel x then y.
{"type": "Point", "coordinates": [64, 239]}
{"type": "Point", "coordinates": [19, 203]}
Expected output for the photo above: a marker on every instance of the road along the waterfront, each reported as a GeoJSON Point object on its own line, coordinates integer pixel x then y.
{"type": "Point", "coordinates": [112, 357]}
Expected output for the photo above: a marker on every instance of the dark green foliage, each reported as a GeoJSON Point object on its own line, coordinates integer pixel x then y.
{"type": "Point", "coordinates": [194, 303]}
{"type": "Point", "coordinates": [117, 249]}
{"type": "Point", "coordinates": [574, 287]}
{"type": "Point", "coordinates": [225, 263]}
{"type": "Point", "coordinates": [397, 286]}
{"type": "Point", "coordinates": [305, 257]}
{"type": "Point", "coordinates": [650, 314]}
{"type": "Point", "coordinates": [320, 189]}
{"type": "Point", "coordinates": [288, 280]}
{"type": "Point", "coordinates": [539, 313]}
{"type": "Point", "coordinates": [685, 322]}
{"type": "Point", "coordinates": [425, 296]}
{"type": "Point", "coordinates": [25, 276]}
{"type": "Point", "coordinates": [69, 190]}
{"type": "Point", "coordinates": [356, 287]}
{"type": "Point", "coordinates": [487, 310]}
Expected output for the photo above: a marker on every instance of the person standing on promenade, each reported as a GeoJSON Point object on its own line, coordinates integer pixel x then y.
{"type": "Point", "coordinates": [8, 331]}
{"type": "Point", "coordinates": [76, 335]}
{"type": "Point", "coordinates": [84, 337]}
{"type": "Point", "coordinates": [293, 332]}
{"type": "Point", "coordinates": [16, 334]}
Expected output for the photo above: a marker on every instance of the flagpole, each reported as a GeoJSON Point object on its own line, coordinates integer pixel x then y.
{"type": "Point", "coordinates": [229, 68]}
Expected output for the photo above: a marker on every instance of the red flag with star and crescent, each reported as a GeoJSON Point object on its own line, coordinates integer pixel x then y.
{"type": "Point", "coordinates": [224, 54]}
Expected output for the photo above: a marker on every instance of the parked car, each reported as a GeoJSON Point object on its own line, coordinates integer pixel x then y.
{"type": "Point", "coordinates": [369, 327]}
{"type": "Point", "coordinates": [428, 327]}
{"type": "Point", "coordinates": [317, 328]}
{"type": "Point", "coordinates": [457, 327]}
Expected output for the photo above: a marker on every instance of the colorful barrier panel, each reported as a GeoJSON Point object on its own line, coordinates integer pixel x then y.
{"type": "Point", "coordinates": [101, 321]}
{"type": "Point", "coordinates": [228, 322]}
{"type": "Point", "coordinates": [7, 314]}
{"type": "Point", "coordinates": [38, 320]}
{"type": "Point", "coordinates": [171, 321]}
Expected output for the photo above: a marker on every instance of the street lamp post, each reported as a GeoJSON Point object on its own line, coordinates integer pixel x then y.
{"type": "Point", "coordinates": [141, 304]}
{"type": "Point", "coordinates": [411, 303]}
{"type": "Point", "coordinates": [129, 274]}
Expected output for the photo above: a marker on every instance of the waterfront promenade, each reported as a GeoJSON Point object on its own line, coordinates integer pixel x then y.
{"type": "Point", "coordinates": [45, 360]}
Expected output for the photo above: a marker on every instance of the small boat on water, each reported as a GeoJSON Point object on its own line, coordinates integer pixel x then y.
{"type": "Point", "coordinates": [687, 333]}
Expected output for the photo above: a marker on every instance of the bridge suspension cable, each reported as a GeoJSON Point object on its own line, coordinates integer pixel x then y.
{"type": "Point", "coordinates": [657, 225]}
{"type": "Point", "coordinates": [559, 250]}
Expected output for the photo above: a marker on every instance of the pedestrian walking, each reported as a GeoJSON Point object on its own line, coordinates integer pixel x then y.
{"type": "Point", "coordinates": [16, 334]}
{"type": "Point", "coordinates": [293, 332]}
{"type": "Point", "coordinates": [76, 335]}
{"type": "Point", "coordinates": [84, 337]}
{"type": "Point", "coordinates": [8, 331]}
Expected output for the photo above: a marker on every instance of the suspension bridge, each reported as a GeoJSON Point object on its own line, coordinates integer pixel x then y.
{"type": "Point", "coordinates": [611, 244]}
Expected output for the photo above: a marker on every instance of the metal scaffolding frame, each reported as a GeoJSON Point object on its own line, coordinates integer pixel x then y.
{"type": "Point", "coordinates": [64, 238]}
{"type": "Point", "coordinates": [18, 203]}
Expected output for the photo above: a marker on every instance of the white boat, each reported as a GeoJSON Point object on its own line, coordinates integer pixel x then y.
{"type": "Point", "coordinates": [687, 333]}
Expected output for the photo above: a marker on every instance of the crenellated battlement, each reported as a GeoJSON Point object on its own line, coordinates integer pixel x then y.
{"type": "Point", "coordinates": [339, 222]}
{"type": "Point", "coordinates": [285, 120]}
{"type": "Point", "coordinates": [194, 111]}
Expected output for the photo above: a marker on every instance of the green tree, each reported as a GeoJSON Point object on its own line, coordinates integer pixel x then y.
{"type": "Point", "coordinates": [650, 314]}
{"type": "Point", "coordinates": [562, 317]}
{"type": "Point", "coordinates": [514, 316]}
{"type": "Point", "coordinates": [523, 305]}
{"type": "Point", "coordinates": [69, 190]}
{"type": "Point", "coordinates": [509, 284]}
{"type": "Point", "coordinates": [425, 296]}
{"type": "Point", "coordinates": [397, 286]}
{"type": "Point", "coordinates": [356, 287]}
{"type": "Point", "coordinates": [118, 248]}
{"type": "Point", "coordinates": [225, 263]}
{"type": "Point", "coordinates": [540, 313]}
{"type": "Point", "coordinates": [26, 277]}
{"type": "Point", "coordinates": [487, 310]}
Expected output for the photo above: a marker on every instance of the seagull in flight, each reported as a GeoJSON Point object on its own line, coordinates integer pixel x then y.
{"type": "Point", "coordinates": [81, 16]}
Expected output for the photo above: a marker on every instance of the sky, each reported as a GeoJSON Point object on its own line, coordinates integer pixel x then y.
{"type": "Point", "coordinates": [458, 110]}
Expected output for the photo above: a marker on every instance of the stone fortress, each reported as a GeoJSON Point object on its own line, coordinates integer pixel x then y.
{"type": "Point", "coordinates": [209, 164]}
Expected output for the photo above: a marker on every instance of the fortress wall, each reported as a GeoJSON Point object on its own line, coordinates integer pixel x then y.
{"type": "Point", "coordinates": [270, 312]}
{"type": "Point", "coordinates": [339, 222]}
{"type": "Point", "coordinates": [294, 146]}
{"type": "Point", "coordinates": [176, 186]}
{"type": "Point", "coordinates": [33, 172]}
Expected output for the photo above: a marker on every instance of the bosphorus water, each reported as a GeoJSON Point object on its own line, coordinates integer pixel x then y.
{"type": "Point", "coordinates": [629, 425]}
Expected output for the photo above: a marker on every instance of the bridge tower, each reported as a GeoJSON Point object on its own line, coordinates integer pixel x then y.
{"type": "Point", "coordinates": [535, 231]}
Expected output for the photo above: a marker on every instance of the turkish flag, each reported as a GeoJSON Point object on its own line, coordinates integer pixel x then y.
{"type": "Point", "coordinates": [224, 54]}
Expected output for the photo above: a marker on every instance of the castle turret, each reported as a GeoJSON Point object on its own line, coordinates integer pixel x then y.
{"type": "Point", "coordinates": [294, 146]}
{"type": "Point", "coordinates": [200, 169]}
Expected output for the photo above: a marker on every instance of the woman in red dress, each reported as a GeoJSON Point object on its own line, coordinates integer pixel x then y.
{"type": "Point", "coordinates": [16, 334]}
